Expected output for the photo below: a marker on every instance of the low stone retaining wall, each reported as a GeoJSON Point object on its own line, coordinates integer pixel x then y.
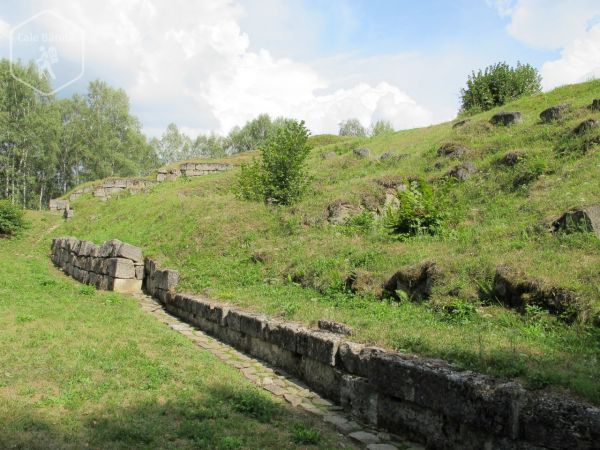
{"type": "Point", "coordinates": [108, 188]}
{"type": "Point", "coordinates": [113, 266]}
{"type": "Point", "coordinates": [190, 170]}
{"type": "Point", "coordinates": [424, 399]}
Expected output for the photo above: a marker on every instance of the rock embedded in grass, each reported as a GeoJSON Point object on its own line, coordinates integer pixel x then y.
{"type": "Point", "coordinates": [338, 212]}
{"type": "Point", "coordinates": [416, 282]}
{"type": "Point", "coordinates": [460, 123]}
{"type": "Point", "coordinates": [462, 172]}
{"type": "Point", "coordinates": [452, 150]}
{"type": "Point", "coordinates": [554, 112]}
{"type": "Point", "coordinates": [362, 152]}
{"type": "Point", "coordinates": [334, 327]}
{"type": "Point", "coordinates": [595, 106]}
{"type": "Point", "coordinates": [584, 219]}
{"type": "Point", "coordinates": [512, 158]}
{"type": "Point", "coordinates": [586, 126]}
{"type": "Point", "coordinates": [329, 155]}
{"type": "Point", "coordinates": [506, 118]}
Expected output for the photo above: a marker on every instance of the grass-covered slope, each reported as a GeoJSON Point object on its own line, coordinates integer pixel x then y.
{"type": "Point", "coordinates": [293, 263]}
{"type": "Point", "coordinates": [86, 369]}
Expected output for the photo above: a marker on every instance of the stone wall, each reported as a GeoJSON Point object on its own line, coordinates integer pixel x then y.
{"type": "Point", "coordinates": [107, 188]}
{"type": "Point", "coordinates": [425, 399]}
{"type": "Point", "coordinates": [190, 170]}
{"type": "Point", "coordinates": [113, 266]}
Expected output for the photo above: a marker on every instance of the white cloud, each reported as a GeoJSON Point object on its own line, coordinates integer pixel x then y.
{"type": "Point", "coordinates": [571, 27]}
{"type": "Point", "coordinates": [191, 63]}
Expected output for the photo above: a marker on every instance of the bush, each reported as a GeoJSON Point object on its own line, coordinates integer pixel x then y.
{"type": "Point", "coordinates": [382, 127]}
{"type": "Point", "coordinates": [12, 219]}
{"type": "Point", "coordinates": [279, 177]}
{"type": "Point", "coordinates": [498, 84]}
{"type": "Point", "coordinates": [305, 435]}
{"type": "Point", "coordinates": [352, 127]}
{"type": "Point", "coordinates": [417, 212]}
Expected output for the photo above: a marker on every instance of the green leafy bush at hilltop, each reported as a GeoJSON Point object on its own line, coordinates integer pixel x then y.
{"type": "Point", "coordinates": [498, 84]}
{"type": "Point", "coordinates": [328, 255]}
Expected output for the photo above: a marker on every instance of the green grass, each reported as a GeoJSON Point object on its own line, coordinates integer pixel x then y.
{"type": "Point", "coordinates": [87, 369]}
{"type": "Point", "coordinates": [499, 216]}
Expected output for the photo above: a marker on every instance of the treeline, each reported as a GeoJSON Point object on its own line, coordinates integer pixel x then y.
{"type": "Point", "coordinates": [48, 146]}
{"type": "Point", "coordinates": [175, 145]}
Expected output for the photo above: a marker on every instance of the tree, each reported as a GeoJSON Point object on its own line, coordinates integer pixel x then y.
{"type": "Point", "coordinates": [251, 135]}
{"type": "Point", "coordinates": [279, 177]}
{"type": "Point", "coordinates": [47, 146]}
{"type": "Point", "coordinates": [352, 127]}
{"type": "Point", "coordinates": [498, 84]}
{"type": "Point", "coordinates": [381, 127]}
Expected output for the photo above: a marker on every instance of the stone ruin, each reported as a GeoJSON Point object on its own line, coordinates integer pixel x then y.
{"type": "Point", "coordinates": [114, 186]}
{"type": "Point", "coordinates": [113, 266]}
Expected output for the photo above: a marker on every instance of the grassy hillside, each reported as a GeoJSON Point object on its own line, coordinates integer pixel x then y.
{"type": "Point", "coordinates": [292, 262]}
{"type": "Point", "coordinates": [87, 369]}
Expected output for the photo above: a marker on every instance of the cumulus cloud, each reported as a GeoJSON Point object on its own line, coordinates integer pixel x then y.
{"type": "Point", "coordinates": [571, 27]}
{"type": "Point", "coordinates": [193, 64]}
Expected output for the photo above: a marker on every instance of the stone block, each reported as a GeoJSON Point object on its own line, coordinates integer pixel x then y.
{"type": "Point", "coordinates": [318, 345]}
{"type": "Point", "coordinates": [358, 396]}
{"type": "Point", "coordinates": [130, 252]}
{"type": "Point", "coordinates": [125, 285]}
{"type": "Point", "coordinates": [109, 248]}
{"type": "Point", "coordinates": [323, 378]}
{"type": "Point", "coordinates": [355, 358]}
{"type": "Point", "coordinates": [85, 248]}
{"type": "Point", "coordinates": [166, 279]}
{"type": "Point", "coordinates": [247, 323]}
{"type": "Point", "coordinates": [120, 268]}
{"type": "Point", "coordinates": [139, 271]}
{"type": "Point", "coordinates": [283, 335]}
{"type": "Point", "coordinates": [103, 282]}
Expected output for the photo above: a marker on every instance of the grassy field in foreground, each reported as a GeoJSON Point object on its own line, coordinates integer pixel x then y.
{"type": "Point", "coordinates": [291, 262]}
{"type": "Point", "coordinates": [87, 369]}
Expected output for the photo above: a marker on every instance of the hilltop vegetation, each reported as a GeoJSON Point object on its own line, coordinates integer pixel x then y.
{"type": "Point", "coordinates": [494, 191]}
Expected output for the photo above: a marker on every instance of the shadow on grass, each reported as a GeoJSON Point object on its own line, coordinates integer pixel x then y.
{"type": "Point", "coordinates": [224, 418]}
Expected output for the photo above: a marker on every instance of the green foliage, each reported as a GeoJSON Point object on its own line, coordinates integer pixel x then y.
{"type": "Point", "coordinates": [12, 219]}
{"type": "Point", "coordinates": [418, 212]}
{"type": "Point", "coordinates": [382, 127]}
{"type": "Point", "coordinates": [352, 127]}
{"type": "Point", "coordinates": [305, 435]}
{"type": "Point", "coordinates": [498, 84]}
{"type": "Point", "coordinates": [279, 177]}
{"type": "Point", "coordinates": [253, 404]}
{"type": "Point", "coordinates": [48, 146]}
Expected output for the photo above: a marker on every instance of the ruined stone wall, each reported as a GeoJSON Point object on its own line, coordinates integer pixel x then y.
{"type": "Point", "coordinates": [425, 399]}
{"type": "Point", "coordinates": [106, 189]}
{"type": "Point", "coordinates": [113, 266]}
{"type": "Point", "coordinates": [190, 170]}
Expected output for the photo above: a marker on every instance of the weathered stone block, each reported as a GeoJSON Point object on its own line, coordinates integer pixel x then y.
{"type": "Point", "coordinates": [355, 358]}
{"type": "Point", "coordinates": [358, 395]}
{"type": "Point", "coordinates": [166, 279]}
{"type": "Point", "coordinates": [139, 271]}
{"type": "Point", "coordinates": [283, 335]}
{"type": "Point", "coordinates": [130, 252]}
{"type": "Point", "coordinates": [125, 286]}
{"type": "Point", "coordinates": [506, 118]}
{"type": "Point", "coordinates": [120, 268]}
{"type": "Point", "coordinates": [318, 345]}
{"type": "Point", "coordinates": [322, 377]}
{"type": "Point", "coordinates": [109, 248]}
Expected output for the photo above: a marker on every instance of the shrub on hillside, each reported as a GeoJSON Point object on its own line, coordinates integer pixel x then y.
{"type": "Point", "coordinates": [498, 84]}
{"type": "Point", "coordinates": [417, 213]}
{"type": "Point", "coordinates": [11, 218]}
{"type": "Point", "coordinates": [382, 127]}
{"type": "Point", "coordinates": [279, 177]}
{"type": "Point", "coordinates": [352, 127]}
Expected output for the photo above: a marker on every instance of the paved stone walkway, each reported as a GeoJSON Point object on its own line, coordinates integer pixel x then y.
{"type": "Point", "coordinates": [281, 385]}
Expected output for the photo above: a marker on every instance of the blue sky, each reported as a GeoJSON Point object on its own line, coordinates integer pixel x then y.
{"type": "Point", "coordinates": [212, 64]}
